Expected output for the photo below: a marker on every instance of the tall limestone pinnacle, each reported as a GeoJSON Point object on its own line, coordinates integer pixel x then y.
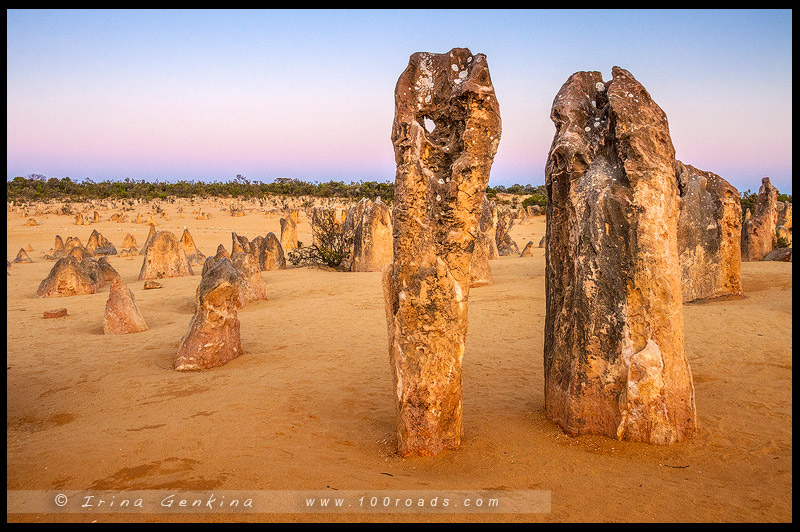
{"type": "Point", "coordinates": [445, 134]}
{"type": "Point", "coordinates": [614, 358]}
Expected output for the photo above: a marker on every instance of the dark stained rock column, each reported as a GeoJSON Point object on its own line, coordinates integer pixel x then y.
{"type": "Point", "coordinates": [614, 359]}
{"type": "Point", "coordinates": [445, 134]}
{"type": "Point", "coordinates": [709, 234]}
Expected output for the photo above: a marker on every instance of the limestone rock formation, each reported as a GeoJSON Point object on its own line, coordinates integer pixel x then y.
{"type": "Point", "coordinates": [193, 255]}
{"type": "Point", "coordinates": [614, 360]}
{"type": "Point", "coordinates": [785, 214]}
{"type": "Point", "coordinates": [55, 313]}
{"type": "Point", "coordinates": [100, 245]}
{"type": "Point", "coordinates": [445, 134]}
{"type": "Point", "coordinates": [758, 232]}
{"type": "Point", "coordinates": [251, 285]}
{"type": "Point", "coordinates": [780, 254]}
{"type": "Point", "coordinates": [488, 226]}
{"type": "Point", "coordinates": [709, 234]}
{"type": "Point", "coordinates": [527, 251]}
{"type": "Point", "coordinates": [372, 239]}
{"type": "Point", "coordinates": [213, 338]}
{"type": "Point", "coordinates": [164, 257]}
{"type": "Point", "coordinates": [129, 241]}
{"type": "Point", "coordinates": [68, 277]}
{"type": "Point", "coordinates": [122, 315]}
{"type": "Point", "coordinates": [289, 231]}
{"type": "Point", "coordinates": [149, 239]}
{"type": "Point", "coordinates": [222, 252]}
{"type": "Point", "coordinates": [270, 256]}
{"type": "Point", "coordinates": [480, 273]}
{"type": "Point", "coordinates": [22, 257]}
{"type": "Point", "coordinates": [152, 285]}
{"type": "Point", "coordinates": [505, 244]}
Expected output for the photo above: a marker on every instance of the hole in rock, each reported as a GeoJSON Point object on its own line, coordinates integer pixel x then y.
{"type": "Point", "coordinates": [429, 124]}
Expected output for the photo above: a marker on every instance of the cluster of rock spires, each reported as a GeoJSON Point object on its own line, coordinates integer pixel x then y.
{"type": "Point", "coordinates": [632, 234]}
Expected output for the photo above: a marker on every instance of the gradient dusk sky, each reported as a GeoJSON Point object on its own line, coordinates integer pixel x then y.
{"type": "Point", "coordinates": [309, 94]}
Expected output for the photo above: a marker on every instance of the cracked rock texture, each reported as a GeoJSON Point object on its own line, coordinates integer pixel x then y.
{"type": "Point", "coordinates": [445, 134]}
{"type": "Point", "coordinates": [614, 360]}
{"type": "Point", "coordinates": [709, 234]}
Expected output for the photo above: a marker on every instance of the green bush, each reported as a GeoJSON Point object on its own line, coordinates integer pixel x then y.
{"type": "Point", "coordinates": [535, 199]}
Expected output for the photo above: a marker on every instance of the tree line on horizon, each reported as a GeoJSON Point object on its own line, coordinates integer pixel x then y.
{"type": "Point", "coordinates": [36, 187]}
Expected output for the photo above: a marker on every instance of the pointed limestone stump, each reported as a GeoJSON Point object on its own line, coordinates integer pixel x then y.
{"type": "Point", "coordinates": [480, 273]}
{"type": "Point", "coordinates": [129, 241]}
{"type": "Point", "coordinates": [442, 172]}
{"type": "Point", "coordinates": [213, 338]}
{"type": "Point", "coordinates": [58, 249]}
{"type": "Point", "coordinates": [709, 234]}
{"type": "Point", "coordinates": [372, 241]}
{"type": "Point", "coordinates": [71, 243]}
{"type": "Point", "coordinates": [270, 256]}
{"type": "Point", "coordinates": [251, 285]}
{"type": "Point", "coordinates": [614, 360]}
{"type": "Point", "coordinates": [528, 250]}
{"type": "Point", "coordinates": [100, 245]}
{"type": "Point", "coordinates": [67, 278]}
{"type": "Point", "coordinates": [122, 315]}
{"type": "Point", "coordinates": [22, 257]}
{"type": "Point", "coordinates": [505, 244]}
{"type": "Point", "coordinates": [239, 244]}
{"type": "Point", "coordinates": [289, 231]}
{"type": "Point", "coordinates": [758, 232]}
{"type": "Point", "coordinates": [193, 255]}
{"type": "Point", "coordinates": [222, 252]}
{"type": "Point", "coordinates": [149, 239]}
{"type": "Point", "coordinates": [489, 226]}
{"type": "Point", "coordinates": [164, 257]}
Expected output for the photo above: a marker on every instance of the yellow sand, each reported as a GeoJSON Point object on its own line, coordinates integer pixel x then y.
{"type": "Point", "coordinates": [309, 406]}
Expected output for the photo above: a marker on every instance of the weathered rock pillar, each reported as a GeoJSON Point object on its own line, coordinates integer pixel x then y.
{"type": "Point", "coordinates": [758, 232]}
{"type": "Point", "coordinates": [709, 234]}
{"type": "Point", "coordinates": [614, 360]}
{"type": "Point", "coordinates": [445, 134]}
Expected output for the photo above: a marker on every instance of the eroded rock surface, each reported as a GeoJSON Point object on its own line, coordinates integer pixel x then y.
{"type": "Point", "coordinates": [122, 315]}
{"type": "Point", "coordinates": [709, 234]}
{"type": "Point", "coordinates": [164, 257]}
{"type": "Point", "coordinates": [445, 134]}
{"type": "Point", "coordinates": [614, 360]}
{"type": "Point", "coordinates": [213, 338]}
{"type": "Point", "coordinates": [372, 237]}
{"type": "Point", "coordinates": [68, 277]}
{"type": "Point", "coordinates": [758, 232]}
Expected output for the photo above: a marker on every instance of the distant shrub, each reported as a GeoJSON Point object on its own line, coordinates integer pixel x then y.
{"type": "Point", "coordinates": [785, 197]}
{"type": "Point", "coordinates": [332, 245]}
{"type": "Point", "coordinates": [535, 199]}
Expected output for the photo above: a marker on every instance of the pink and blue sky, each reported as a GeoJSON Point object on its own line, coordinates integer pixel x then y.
{"type": "Point", "coordinates": [309, 94]}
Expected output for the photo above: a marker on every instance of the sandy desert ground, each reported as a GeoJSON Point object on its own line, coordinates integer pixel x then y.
{"type": "Point", "coordinates": [309, 405]}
